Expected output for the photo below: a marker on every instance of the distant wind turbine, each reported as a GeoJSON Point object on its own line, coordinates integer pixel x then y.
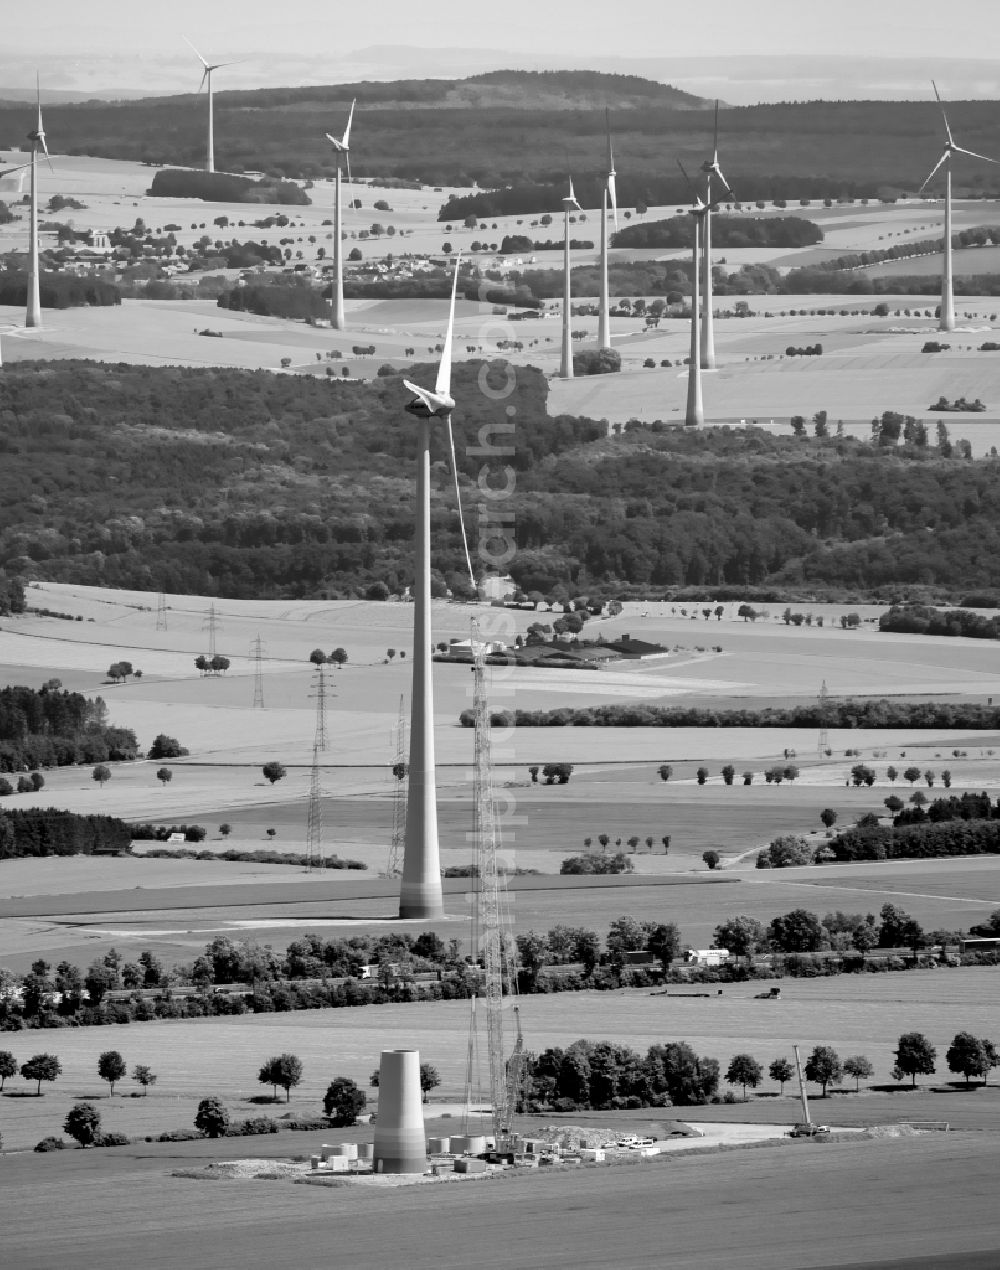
{"type": "Point", "coordinates": [607, 193]}
{"type": "Point", "coordinates": [566, 365]}
{"type": "Point", "coordinates": [206, 79]}
{"type": "Point", "coordinates": [947, 321]}
{"type": "Point", "coordinates": [694, 415]}
{"type": "Point", "coordinates": [711, 169]}
{"type": "Point", "coordinates": [33, 314]}
{"type": "Point", "coordinates": [342, 154]}
{"type": "Point", "coordinates": [420, 888]}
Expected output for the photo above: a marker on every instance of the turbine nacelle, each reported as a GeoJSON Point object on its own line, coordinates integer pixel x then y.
{"type": "Point", "coordinates": [951, 147]}
{"type": "Point", "coordinates": [569, 202]}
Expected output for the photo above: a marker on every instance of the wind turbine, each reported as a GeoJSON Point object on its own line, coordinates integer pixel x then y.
{"type": "Point", "coordinates": [342, 154]}
{"type": "Point", "coordinates": [33, 314]}
{"type": "Point", "coordinates": [694, 415]}
{"type": "Point", "coordinates": [947, 322]}
{"type": "Point", "coordinates": [608, 192]}
{"type": "Point", "coordinates": [420, 888]}
{"type": "Point", "coordinates": [711, 169]}
{"type": "Point", "coordinates": [566, 365]}
{"type": "Point", "coordinates": [206, 78]}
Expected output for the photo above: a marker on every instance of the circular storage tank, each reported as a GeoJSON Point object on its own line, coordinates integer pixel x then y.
{"type": "Point", "coordinates": [477, 1145]}
{"type": "Point", "coordinates": [438, 1146]}
{"type": "Point", "coordinates": [460, 1144]}
{"type": "Point", "coordinates": [366, 1150]}
{"type": "Point", "coordinates": [349, 1149]}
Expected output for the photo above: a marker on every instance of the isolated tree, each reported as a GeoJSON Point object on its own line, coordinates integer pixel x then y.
{"type": "Point", "coordinates": [711, 858]}
{"type": "Point", "coordinates": [225, 829]}
{"type": "Point", "coordinates": [860, 1068]}
{"type": "Point", "coordinates": [823, 1067]}
{"type": "Point", "coordinates": [317, 657]}
{"type": "Point", "coordinates": [728, 772]}
{"type": "Point", "coordinates": [911, 775]}
{"type": "Point", "coordinates": [8, 1066]}
{"type": "Point", "coordinates": [740, 936]}
{"type": "Point", "coordinates": [894, 804]}
{"type": "Point", "coordinates": [533, 773]}
{"type": "Point", "coordinates": [284, 1070]}
{"type": "Point", "coordinates": [212, 1118]}
{"type": "Point", "coordinates": [664, 942]}
{"type": "Point", "coordinates": [390, 653]}
{"type": "Point", "coordinates": [666, 771]}
{"type": "Point", "coordinates": [891, 774]}
{"type": "Point", "coordinates": [968, 1055]}
{"type": "Point", "coordinates": [343, 1101]}
{"type": "Point", "coordinates": [41, 1067]}
{"type": "Point", "coordinates": [83, 1123]}
{"type": "Point", "coordinates": [166, 747]}
{"type": "Point", "coordinates": [273, 771]}
{"type": "Point", "coordinates": [164, 776]}
{"type": "Point", "coordinates": [111, 1067]}
{"type": "Point", "coordinates": [101, 774]}
{"type": "Point", "coordinates": [702, 775]}
{"type": "Point", "coordinates": [781, 1070]}
{"type": "Point", "coordinates": [829, 817]}
{"type": "Point", "coordinates": [429, 1079]}
{"type": "Point", "coordinates": [144, 1076]}
{"type": "Point", "coordinates": [339, 656]}
{"type": "Point", "coordinates": [797, 931]}
{"type": "Point", "coordinates": [744, 1070]}
{"type": "Point", "coordinates": [918, 798]}
{"type": "Point", "coordinates": [915, 1056]}
{"type": "Point", "coordinates": [666, 843]}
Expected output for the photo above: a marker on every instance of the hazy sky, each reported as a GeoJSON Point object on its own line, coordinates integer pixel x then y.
{"type": "Point", "coordinates": [903, 28]}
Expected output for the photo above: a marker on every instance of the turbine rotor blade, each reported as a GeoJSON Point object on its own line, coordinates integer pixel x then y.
{"type": "Point", "coordinates": [715, 140]}
{"type": "Point", "coordinates": [196, 53]}
{"type": "Point", "coordinates": [973, 155]}
{"type": "Point", "coordinates": [347, 131]}
{"type": "Point", "coordinates": [947, 127]}
{"type": "Point", "coordinates": [691, 185]}
{"type": "Point", "coordinates": [728, 188]}
{"type": "Point", "coordinates": [206, 74]}
{"type": "Point", "coordinates": [933, 172]}
{"type": "Point", "coordinates": [443, 385]}
{"type": "Point", "coordinates": [613, 196]}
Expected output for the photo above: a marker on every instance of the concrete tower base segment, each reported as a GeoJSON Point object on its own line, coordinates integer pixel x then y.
{"type": "Point", "coordinates": [400, 1146]}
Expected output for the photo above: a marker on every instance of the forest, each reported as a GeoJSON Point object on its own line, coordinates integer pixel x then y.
{"type": "Point", "coordinates": [249, 484]}
{"type": "Point", "coordinates": [516, 128]}
{"type": "Point", "coordinates": [49, 727]}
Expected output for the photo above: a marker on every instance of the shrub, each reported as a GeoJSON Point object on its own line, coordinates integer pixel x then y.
{"type": "Point", "coordinates": [50, 1144]}
{"type": "Point", "coordinates": [112, 1140]}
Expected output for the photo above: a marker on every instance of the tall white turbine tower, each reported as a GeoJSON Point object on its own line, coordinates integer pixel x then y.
{"type": "Point", "coordinates": [608, 193]}
{"type": "Point", "coordinates": [33, 314]}
{"type": "Point", "coordinates": [206, 79]}
{"type": "Point", "coordinates": [947, 322]}
{"type": "Point", "coordinates": [342, 154]}
{"type": "Point", "coordinates": [566, 364]}
{"type": "Point", "coordinates": [420, 889]}
{"type": "Point", "coordinates": [694, 415]}
{"type": "Point", "coordinates": [711, 169]}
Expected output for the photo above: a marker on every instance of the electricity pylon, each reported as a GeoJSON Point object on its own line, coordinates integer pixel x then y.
{"type": "Point", "coordinates": [319, 740]}
{"type": "Point", "coordinates": [399, 773]}
{"type": "Point", "coordinates": [314, 817]}
{"type": "Point", "coordinates": [161, 612]}
{"type": "Point", "coordinates": [257, 653]}
{"type": "Point", "coordinates": [824, 735]}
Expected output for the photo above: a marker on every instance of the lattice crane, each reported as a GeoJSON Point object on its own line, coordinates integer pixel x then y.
{"type": "Point", "coordinates": [492, 920]}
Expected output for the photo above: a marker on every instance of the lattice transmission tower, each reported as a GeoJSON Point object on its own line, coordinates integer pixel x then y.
{"type": "Point", "coordinates": [161, 612]}
{"type": "Point", "coordinates": [211, 625]}
{"type": "Point", "coordinates": [823, 744]}
{"type": "Point", "coordinates": [257, 653]}
{"type": "Point", "coordinates": [399, 775]}
{"type": "Point", "coordinates": [319, 683]}
{"type": "Point", "coordinates": [314, 817]}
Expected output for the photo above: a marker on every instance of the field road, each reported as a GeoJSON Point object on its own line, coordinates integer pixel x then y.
{"type": "Point", "coordinates": [787, 1207]}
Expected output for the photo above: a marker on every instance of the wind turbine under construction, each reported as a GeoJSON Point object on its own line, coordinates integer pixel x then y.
{"type": "Point", "coordinates": [607, 193]}
{"type": "Point", "coordinates": [342, 154]}
{"type": "Point", "coordinates": [947, 321]}
{"type": "Point", "coordinates": [566, 363]}
{"type": "Point", "coordinates": [420, 888]}
{"type": "Point", "coordinates": [711, 169]}
{"type": "Point", "coordinates": [206, 79]}
{"type": "Point", "coordinates": [694, 415]}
